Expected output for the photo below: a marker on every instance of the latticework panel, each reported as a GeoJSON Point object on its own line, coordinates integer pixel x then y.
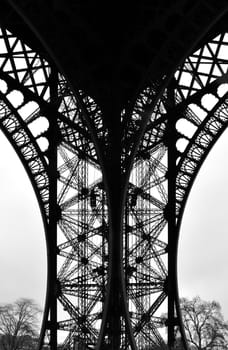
{"type": "Point", "coordinates": [146, 247]}
{"type": "Point", "coordinates": [82, 248]}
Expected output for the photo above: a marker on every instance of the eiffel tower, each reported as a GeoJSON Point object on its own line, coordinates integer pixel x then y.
{"type": "Point", "coordinates": [112, 108]}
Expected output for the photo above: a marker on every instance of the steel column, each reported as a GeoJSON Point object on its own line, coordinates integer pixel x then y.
{"type": "Point", "coordinates": [114, 194]}
{"type": "Point", "coordinates": [171, 134]}
{"type": "Point", "coordinates": [53, 209]}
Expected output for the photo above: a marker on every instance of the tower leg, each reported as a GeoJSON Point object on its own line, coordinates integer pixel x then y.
{"type": "Point", "coordinates": [171, 214]}
{"type": "Point", "coordinates": [53, 212]}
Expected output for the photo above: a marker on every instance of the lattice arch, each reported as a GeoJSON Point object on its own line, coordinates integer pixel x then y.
{"type": "Point", "coordinates": [183, 126]}
{"type": "Point", "coordinates": [44, 121]}
{"type": "Point", "coordinates": [61, 139]}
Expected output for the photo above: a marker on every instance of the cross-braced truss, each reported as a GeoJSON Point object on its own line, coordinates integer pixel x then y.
{"type": "Point", "coordinates": [61, 139]}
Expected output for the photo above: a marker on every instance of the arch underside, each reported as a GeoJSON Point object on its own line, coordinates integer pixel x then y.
{"type": "Point", "coordinates": [62, 141]}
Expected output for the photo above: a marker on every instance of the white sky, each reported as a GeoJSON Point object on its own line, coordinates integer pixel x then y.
{"type": "Point", "coordinates": [203, 246]}
{"type": "Point", "coordinates": [22, 241]}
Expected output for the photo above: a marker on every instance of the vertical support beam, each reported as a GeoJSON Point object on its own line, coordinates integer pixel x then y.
{"type": "Point", "coordinates": [111, 335]}
{"type": "Point", "coordinates": [171, 213]}
{"type": "Point", "coordinates": [115, 242]}
{"type": "Point", "coordinates": [53, 210]}
{"type": "Point", "coordinates": [116, 330]}
{"type": "Point", "coordinates": [115, 302]}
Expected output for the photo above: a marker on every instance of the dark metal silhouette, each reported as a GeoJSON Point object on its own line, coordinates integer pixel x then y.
{"type": "Point", "coordinates": [112, 198]}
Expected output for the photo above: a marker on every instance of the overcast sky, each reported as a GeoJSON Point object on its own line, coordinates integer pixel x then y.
{"type": "Point", "coordinates": [203, 247]}
{"type": "Point", "coordinates": [22, 242]}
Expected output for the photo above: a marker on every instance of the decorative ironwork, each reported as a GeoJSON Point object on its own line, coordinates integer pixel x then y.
{"type": "Point", "coordinates": [63, 142]}
{"type": "Point", "coordinates": [28, 109]}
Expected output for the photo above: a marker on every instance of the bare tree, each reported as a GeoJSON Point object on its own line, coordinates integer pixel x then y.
{"type": "Point", "coordinates": [204, 325]}
{"type": "Point", "coordinates": [19, 325]}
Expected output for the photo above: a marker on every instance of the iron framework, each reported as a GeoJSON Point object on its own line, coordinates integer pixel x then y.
{"type": "Point", "coordinates": [112, 210]}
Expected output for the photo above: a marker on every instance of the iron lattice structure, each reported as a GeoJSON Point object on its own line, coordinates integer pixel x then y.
{"type": "Point", "coordinates": [112, 200]}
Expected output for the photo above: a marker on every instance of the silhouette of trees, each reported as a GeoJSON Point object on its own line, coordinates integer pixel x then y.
{"type": "Point", "coordinates": [204, 325]}
{"type": "Point", "coordinates": [19, 325]}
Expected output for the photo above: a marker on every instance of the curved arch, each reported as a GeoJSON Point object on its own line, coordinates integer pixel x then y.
{"type": "Point", "coordinates": [209, 129]}
{"type": "Point", "coordinates": [81, 212]}
{"type": "Point", "coordinates": [183, 113]}
{"type": "Point", "coordinates": [147, 211]}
